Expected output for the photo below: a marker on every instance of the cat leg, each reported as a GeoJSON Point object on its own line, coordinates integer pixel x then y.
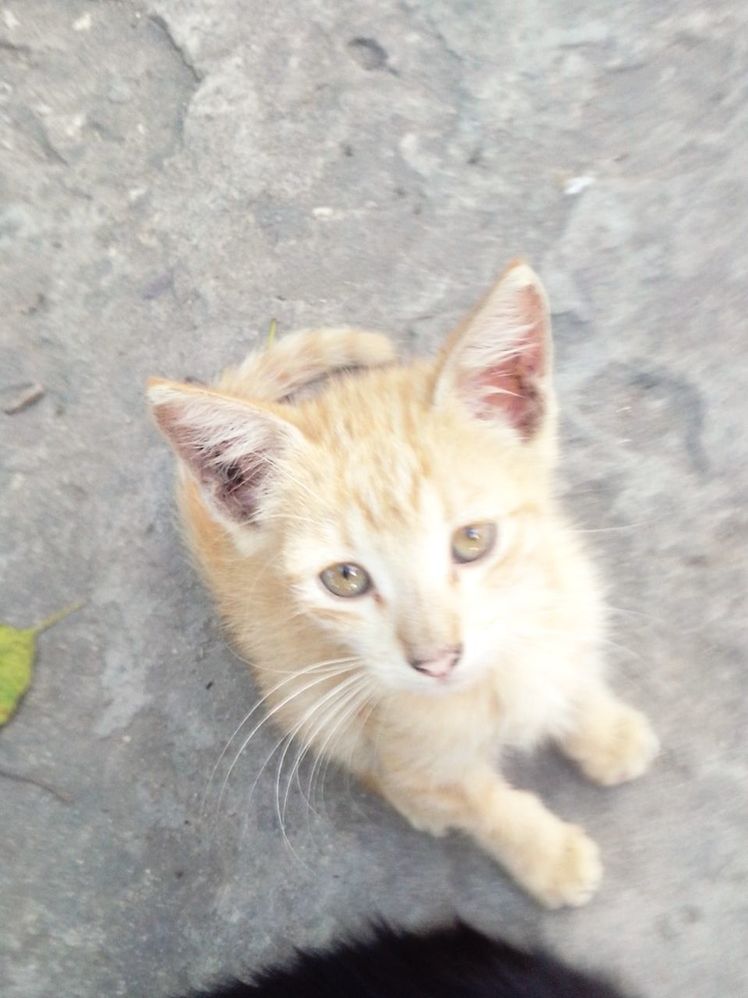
{"type": "Point", "coordinates": [554, 861]}
{"type": "Point", "coordinates": [610, 741]}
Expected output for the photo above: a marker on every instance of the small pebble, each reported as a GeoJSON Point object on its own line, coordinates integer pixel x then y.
{"type": "Point", "coordinates": [575, 185]}
{"type": "Point", "coordinates": [83, 23]}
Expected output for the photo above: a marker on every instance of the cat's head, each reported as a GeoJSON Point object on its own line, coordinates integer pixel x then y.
{"type": "Point", "coordinates": [404, 509]}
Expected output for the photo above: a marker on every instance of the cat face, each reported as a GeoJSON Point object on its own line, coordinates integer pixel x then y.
{"type": "Point", "coordinates": [407, 543]}
{"type": "Point", "coordinates": [400, 510]}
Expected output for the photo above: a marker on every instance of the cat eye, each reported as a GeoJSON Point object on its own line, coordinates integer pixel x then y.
{"type": "Point", "coordinates": [473, 541]}
{"type": "Point", "coordinates": [346, 579]}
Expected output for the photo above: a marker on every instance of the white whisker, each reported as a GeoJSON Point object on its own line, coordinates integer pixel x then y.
{"type": "Point", "coordinates": [304, 748]}
{"type": "Point", "coordinates": [615, 529]}
{"type": "Point", "coordinates": [626, 611]}
{"type": "Point", "coordinates": [314, 668]}
{"type": "Point", "coordinates": [327, 718]}
{"type": "Point", "coordinates": [271, 713]}
{"type": "Point", "coordinates": [340, 727]}
{"type": "Point", "coordinates": [549, 632]}
{"type": "Point", "coordinates": [338, 693]}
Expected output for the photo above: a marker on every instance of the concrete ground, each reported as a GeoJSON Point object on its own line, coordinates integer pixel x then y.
{"type": "Point", "coordinates": [175, 173]}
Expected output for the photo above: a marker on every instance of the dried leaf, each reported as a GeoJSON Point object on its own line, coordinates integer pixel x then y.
{"type": "Point", "coordinates": [17, 654]}
{"type": "Point", "coordinates": [25, 396]}
{"type": "Point", "coordinates": [271, 332]}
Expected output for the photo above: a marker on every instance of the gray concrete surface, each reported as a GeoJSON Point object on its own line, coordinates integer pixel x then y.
{"type": "Point", "coordinates": [175, 173]}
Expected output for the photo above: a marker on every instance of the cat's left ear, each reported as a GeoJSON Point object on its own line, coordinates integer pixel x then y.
{"type": "Point", "coordinates": [498, 361]}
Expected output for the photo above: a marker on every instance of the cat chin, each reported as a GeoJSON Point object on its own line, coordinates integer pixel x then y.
{"type": "Point", "coordinates": [437, 687]}
{"type": "Point", "coordinates": [445, 688]}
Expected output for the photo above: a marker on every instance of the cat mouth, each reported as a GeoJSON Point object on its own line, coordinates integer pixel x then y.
{"type": "Point", "coordinates": [455, 681]}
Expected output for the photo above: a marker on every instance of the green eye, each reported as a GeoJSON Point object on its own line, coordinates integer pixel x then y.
{"type": "Point", "coordinates": [473, 541]}
{"type": "Point", "coordinates": [346, 579]}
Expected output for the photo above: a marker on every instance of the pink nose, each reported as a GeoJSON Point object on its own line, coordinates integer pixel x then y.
{"type": "Point", "coordinates": [438, 664]}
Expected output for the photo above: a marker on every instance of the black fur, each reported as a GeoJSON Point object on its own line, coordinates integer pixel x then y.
{"type": "Point", "coordinates": [456, 962]}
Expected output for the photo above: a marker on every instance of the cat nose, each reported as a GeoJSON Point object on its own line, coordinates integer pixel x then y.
{"type": "Point", "coordinates": [437, 664]}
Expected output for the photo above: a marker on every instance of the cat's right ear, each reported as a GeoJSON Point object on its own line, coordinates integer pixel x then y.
{"type": "Point", "coordinates": [498, 362]}
{"type": "Point", "coordinates": [231, 447]}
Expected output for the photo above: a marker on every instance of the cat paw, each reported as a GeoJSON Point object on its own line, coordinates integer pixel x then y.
{"type": "Point", "coordinates": [564, 872]}
{"type": "Point", "coordinates": [627, 750]}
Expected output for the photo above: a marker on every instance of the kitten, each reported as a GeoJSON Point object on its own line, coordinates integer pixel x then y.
{"type": "Point", "coordinates": [386, 550]}
{"type": "Point", "coordinates": [457, 962]}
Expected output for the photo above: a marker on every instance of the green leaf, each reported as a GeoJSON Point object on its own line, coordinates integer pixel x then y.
{"type": "Point", "coordinates": [17, 654]}
{"type": "Point", "coordinates": [17, 648]}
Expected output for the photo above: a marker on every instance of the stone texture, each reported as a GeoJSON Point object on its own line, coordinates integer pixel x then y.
{"type": "Point", "coordinates": [175, 173]}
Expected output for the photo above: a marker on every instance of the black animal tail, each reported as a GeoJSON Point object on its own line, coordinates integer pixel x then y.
{"type": "Point", "coordinates": [454, 962]}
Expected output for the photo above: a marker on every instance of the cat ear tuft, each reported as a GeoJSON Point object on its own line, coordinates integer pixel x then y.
{"type": "Point", "coordinates": [231, 447]}
{"type": "Point", "coordinates": [498, 361]}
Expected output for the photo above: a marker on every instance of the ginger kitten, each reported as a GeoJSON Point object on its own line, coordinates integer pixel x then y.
{"type": "Point", "coordinates": [383, 542]}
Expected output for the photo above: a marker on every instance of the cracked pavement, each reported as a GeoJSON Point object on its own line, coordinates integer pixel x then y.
{"type": "Point", "coordinates": [174, 174]}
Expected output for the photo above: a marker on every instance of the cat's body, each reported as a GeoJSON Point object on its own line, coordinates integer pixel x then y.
{"type": "Point", "coordinates": [323, 526]}
{"type": "Point", "coordinates": [454, 962]}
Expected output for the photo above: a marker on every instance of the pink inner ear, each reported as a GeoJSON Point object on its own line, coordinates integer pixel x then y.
{"type": "Point", "coordinates": [234, 485]}
{"type": "Point", "coordinates": [512, 387]}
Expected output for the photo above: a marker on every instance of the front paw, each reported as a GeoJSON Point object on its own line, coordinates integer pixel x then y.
{"type": "Point", "coordinates": [561, 868]}
{"type": "Point", "coordinates": [622, 750]}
